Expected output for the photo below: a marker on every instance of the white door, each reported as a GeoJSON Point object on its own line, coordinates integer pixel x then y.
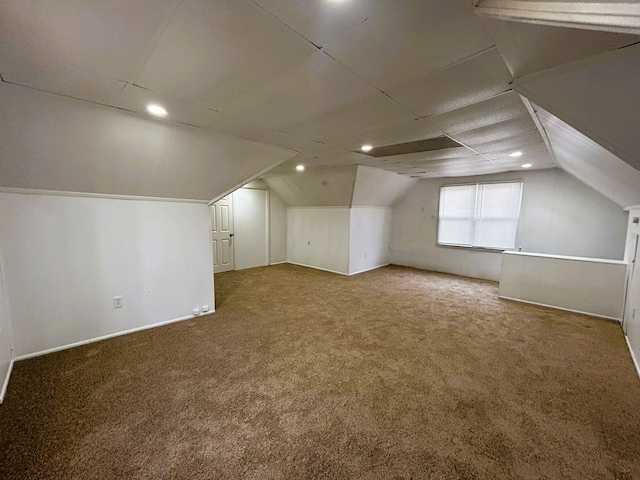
{"type": "Point", "coordinates": [222, 235]}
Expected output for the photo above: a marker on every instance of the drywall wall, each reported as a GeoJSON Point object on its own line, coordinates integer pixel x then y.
{"type": "Point", "coordinates": [329, 187]}
{"type": "Point", "coordinates": [250, 224]}
{"type": "Point", "coordinates": [375, 187]}
{"type": "Point", "coordinates": [67, 257]}
{"type": "Point", "coordinates": [51, 142]}
{"type": "Point", "coordinates": [6, 341]}
{"type": "Point", "coordinates": [277, 228]}
{"type": "Point", "coordinates": [319, 237]}
{"type": "Point", "coordinates": [631, 323]}
{"type": "Point", "coordinates": [370, 231]}
{"type": "Point", "coordinates": [559, 215]}
{"type": "Point", "coordinates": [580, 284]}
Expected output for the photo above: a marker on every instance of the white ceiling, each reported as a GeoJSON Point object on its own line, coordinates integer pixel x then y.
{"type": "Point", "coordinates": [317, 76]}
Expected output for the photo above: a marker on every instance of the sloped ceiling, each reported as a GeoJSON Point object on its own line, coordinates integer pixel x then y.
{"type": "Point", "coordinates": [348, 186]}
{"type": "Point", "coordinates": [54, 143]}
{"type": "Point", "coordinates": [322, 78]}
{"type": "Point", "coordinates": [590, 163]}
{"type": "Point", "coordinates": [331, 187]}
{"type": "Point", "coordinates": [379, 188]}
{"type": "Point", "coordinates": [599, 97]}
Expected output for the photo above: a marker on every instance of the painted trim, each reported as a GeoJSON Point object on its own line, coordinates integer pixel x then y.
{"type": "Point", "coordinates": [278, 263]}
{"type": "Point", "coordinates": [560, 308]}
{"type": "Point", "coordinates": [369, 269]}
{"type": "Point", "coordinates": [111, 335]}
{"type": "Point", "coordinates": [56, 193]}
{"type": "Point", "coordinates": [633, 356]}
{"type": "Point", "coordinates": [566, 257]}
{"type": "Point", "coordinates": [632, 207]}
{"type": "Point", "coordinates": [317, 268]}
{"type": "Point", "coordinates": [621, 17]}
{"type": "Point", "coordinates": [5, 385]}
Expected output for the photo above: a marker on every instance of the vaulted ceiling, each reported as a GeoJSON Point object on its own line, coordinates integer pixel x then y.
{"type": "Point", "coordinates": [321, 77]}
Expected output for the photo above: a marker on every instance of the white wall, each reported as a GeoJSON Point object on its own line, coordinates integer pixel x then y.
{"type": "Point", "coordinates": [375, 187]}
{"type": "Point", "coordinates": [67, 257]}
{"type": "Point", "coordinates": [6, 339]}
{"type": "Point", "coordinates": [581, 284]}
{"type": "Point", "coordinates": [559, 215]}
{"type": "Point", "coordinates": [632, 306]}
{"type": "Point", "coordinates": [277, 228]}
{"type": "Point", "coordinates": [369, 238]}
{"type": "Point", "coordinates": [250, 224]}
{"type": "Point", "coordinates": [319, 237]}
{"type": "Point", "coordinates": [51, 142]}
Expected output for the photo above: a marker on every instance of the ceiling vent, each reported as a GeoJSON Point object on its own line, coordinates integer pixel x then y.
{"type": "Point", "coordinates": [429, 145]}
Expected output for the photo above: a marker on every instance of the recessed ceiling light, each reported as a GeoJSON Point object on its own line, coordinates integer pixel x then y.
{"type": "Point", "coordinates": [300, 168]}
{"type": "Point", "coordinates": [526, 165]}
{"type": "Point", "coordinates": [157, 110]}
{"type": "Point", "coordinates": [515, 154]}
{"type": "Point", "coordinates": [366, 148]}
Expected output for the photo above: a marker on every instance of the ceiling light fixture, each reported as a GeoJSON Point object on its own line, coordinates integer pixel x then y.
{"type": "Point", "coordinates": [300, 168]}
{"type": "Point", "coordinates": [515, 154]}
{"type": "Point", "coordinates": [157, 110]}
{"type": "Point", "coordinates": [366, 148]}
{"type": "Point", "coordinates": [526, 165]}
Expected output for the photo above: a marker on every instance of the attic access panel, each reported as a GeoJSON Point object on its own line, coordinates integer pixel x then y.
{"type": "Point", "coordinates": [429, 145]}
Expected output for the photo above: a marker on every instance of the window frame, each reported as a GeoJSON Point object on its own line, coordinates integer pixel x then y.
{"type": "Point", "coordinates": [472, 247]}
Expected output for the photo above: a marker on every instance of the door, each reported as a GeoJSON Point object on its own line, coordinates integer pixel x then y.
{"type": "Point", "coordinates": [222, 235]}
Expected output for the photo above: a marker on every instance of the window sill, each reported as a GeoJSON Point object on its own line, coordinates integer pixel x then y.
{"type": "Point", "coordinates": [474, 249]}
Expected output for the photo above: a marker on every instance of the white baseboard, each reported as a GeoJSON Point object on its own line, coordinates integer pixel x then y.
{"type": "Point", "coordinates": [105, 337]}
{"type": "Point", "coordinates": [278, 263]}
{"type": "Point", "coordinates": [317, 268]}
{"type": "Point", "coordinates": [559, 308]}
{"type": "Point", "coordinates": [633, 356]}
{"type": "Point", "coordinates": [369, 269]}
{"type": "Point", "coordinates": [5, 384]}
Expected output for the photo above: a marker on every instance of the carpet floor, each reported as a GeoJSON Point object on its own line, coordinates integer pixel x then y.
{"type": "Point", "coordinates": [392, 374]}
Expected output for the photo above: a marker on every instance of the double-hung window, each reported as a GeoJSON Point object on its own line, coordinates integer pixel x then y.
{"type": "Point", "coordinates": [483, 215]}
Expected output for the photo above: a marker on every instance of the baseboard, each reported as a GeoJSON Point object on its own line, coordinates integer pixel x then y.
{"type": "Point", "coordinates": [560, 308]}
{"type": "Point", "coordinates": [106, 337]}
{"type": "Point", "coordinates": [317, 268]}
{"type": "Point", "coordinates": [633, 356]}
{"type": "Point", "coordinates": [369, 269]}
{"type": "Point", "coordinates": [278, 263]}
{"type": "Point", "coordinates": [5, 384]}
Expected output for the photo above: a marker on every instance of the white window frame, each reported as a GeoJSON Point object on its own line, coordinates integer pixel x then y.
{"type": "Point", "coordinates": [474, 247]}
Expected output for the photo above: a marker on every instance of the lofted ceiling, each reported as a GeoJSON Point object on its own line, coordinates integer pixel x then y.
{"type": "Point", "coordinates": [321, 77]}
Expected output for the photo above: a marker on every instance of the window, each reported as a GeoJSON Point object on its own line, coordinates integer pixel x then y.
{"type": "Point", "coordinates": [481, 215]}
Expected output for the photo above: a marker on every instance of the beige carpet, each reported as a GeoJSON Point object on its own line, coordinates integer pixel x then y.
{"type": "Point", "coordinates": [394, 374]}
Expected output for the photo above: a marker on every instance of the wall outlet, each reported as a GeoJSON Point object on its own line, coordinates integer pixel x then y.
{"type": "Point", "coordinates": [365, 254]}
{"type": "Point", "coordinates": [196, 311]}
{"type": "Point", "coordinates": [309, 242]}
{"type": "Point", "coordinates": [205, 308]}
{"type": "Point", "coordinates": [117, 302]}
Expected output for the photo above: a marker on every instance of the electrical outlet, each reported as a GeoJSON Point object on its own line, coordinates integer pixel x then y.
{"type": "Point", "coordinates": [117, 302]}
{"type": "Point", "coordinates": [365, 254]}
{"type": "Point", "coordinates": [308, 242]}
{"type": "Point", "coordinates": [196, 311]}
{"type": "Point", "coordinates": [205, 308]}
